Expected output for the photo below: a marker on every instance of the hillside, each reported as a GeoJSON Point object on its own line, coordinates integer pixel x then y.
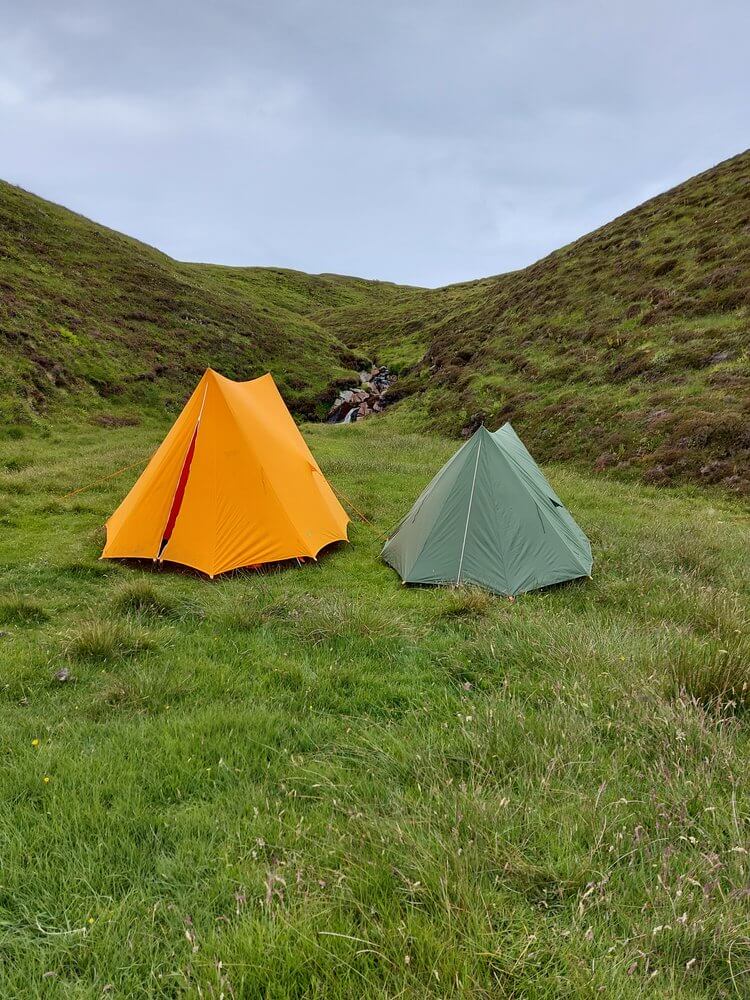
{"type": "Point", "coordinates": [87, 310]}
{"type": "Point", "coordinates": [627, 349]}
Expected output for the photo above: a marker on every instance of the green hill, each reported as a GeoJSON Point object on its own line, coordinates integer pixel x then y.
{"type": "Point", "coordinates": [626, 350]}
{"type": "Point", "coordinates": [89, 311]}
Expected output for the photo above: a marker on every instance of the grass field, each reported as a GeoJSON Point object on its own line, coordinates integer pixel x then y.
{"type": "Point", "coordinates": [319, 783]}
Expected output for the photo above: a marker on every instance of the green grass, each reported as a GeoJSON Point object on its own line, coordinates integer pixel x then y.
{"type": "Point", "coordinates": [141, 597]}
{"type": "Point", "coordinates": [316, 782]}
{"type": "Point", "coordinates": [20, 610]}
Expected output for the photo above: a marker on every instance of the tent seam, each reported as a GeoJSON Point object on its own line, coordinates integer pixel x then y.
{"type": "Point", "coordinates": [303, 544]}
{"type": "Point", "coordinates": [468, 512]}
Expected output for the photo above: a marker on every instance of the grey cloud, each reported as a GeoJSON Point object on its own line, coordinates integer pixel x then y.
{"type": "Point", "coordinates": [420, 142]}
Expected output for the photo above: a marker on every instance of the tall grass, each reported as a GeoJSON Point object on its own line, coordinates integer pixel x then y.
{"type": "Point", "coordinates": [715, 676]}
{"type": "Point", "coordinates": [17, 609]}
{"type": "Point", "coordinates": [465, 602]}
{"type": "Point", "coordinates": [140, 597]}
{"type": "Point", "coordinates": [104, 641]}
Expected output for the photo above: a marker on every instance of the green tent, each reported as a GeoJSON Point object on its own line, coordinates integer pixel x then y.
{"type": "Point", "coordinates": [489, 518]}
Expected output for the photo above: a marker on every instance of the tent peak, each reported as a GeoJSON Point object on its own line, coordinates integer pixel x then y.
{"type": "Point", "coordinates": [211, 373]}
{"type": "Point", "coordinates": [505, 430]}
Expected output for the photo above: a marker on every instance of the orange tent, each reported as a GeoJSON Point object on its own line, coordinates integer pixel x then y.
{"type": "Point", "coordinates": [232, 484]}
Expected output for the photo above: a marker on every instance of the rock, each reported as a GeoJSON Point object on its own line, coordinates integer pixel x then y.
{"type": "Point", "coordinates": [656, 416]}
{"type": "Point", "coordinates": [716, 359]}
{"type": "Point", "coordinates": [365, 399]}
{"type": "Point", "coordinates": [658, 474]}
{"type": "Point", "coordinates": [717, 470]}
{"type": "Point", "coordinates": [475, 422]}
{"type": "Point", "coordinates": [62, 675]}
{"type": "Point", "coordinates": [605, 461]}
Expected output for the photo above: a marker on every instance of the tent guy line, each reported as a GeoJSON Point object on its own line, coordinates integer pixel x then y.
{"type": "Point", "coordinates": [104, 479]}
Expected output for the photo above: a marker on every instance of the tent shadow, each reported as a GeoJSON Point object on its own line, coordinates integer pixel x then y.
{"type": "Point", "coordinates": [165, 567]}
{"type": "Point", "coordinates": [573, 585]}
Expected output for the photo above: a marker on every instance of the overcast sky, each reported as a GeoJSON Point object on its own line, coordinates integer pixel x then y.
{"type": "Point", "coordinates": [421, 141]}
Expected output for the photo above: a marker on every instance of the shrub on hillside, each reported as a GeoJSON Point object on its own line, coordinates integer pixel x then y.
{"type": "Point", "coordinates": [114, 420]}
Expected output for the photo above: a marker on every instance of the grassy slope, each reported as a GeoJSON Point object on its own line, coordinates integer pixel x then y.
{"type": "Point", "coordinates": [627, 349]}
{"type": "Point", "coordinates": [319, 783]}
{"type": "Point", "coordinates": [89, 311]}
{"type": "Point", "coordinates": [609, 351]}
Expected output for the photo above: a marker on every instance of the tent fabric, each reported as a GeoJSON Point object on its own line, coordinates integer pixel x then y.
{"type": "Point", "coordinates": [489, 518]}
{"type": "Point", "coordinates": [233, 484]}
